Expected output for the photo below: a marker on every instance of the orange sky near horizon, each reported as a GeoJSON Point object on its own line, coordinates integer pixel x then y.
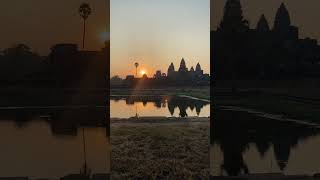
{"type": "Point", "coordinates": [155, 33]}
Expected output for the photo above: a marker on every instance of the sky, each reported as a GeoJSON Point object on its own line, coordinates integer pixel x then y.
{"type": "Point", "coordinates": [43, 23]}
{"type": "Point", "coordinates": [155, 33]}
{"type": "Point", "coordinates": [304, 14]}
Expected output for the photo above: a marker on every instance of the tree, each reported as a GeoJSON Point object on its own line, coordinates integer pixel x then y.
{"type": "Point", "coordinates": [18, 49]}
{"type": "Point", "coordinates": [116, 81]}
{"type": "Point", "coordinates": [19, 61]}
{"type": "Point", "coordinates": [84, 11]}
{"type": "Point", "coordinates": [136, 65]}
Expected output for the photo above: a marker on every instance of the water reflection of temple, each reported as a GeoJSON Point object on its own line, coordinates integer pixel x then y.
{"type": "Point", "coordinates": [234, 131]}
{"type": "Point", "coordinates": [173, 103]}
{"type": "Point", "coordinates": [183, 105]}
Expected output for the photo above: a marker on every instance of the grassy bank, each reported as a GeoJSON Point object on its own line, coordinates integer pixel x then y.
{"type": "Point", "coordinates": [201, 93]}
{"type": "Point", "coordinates": [295, 104]}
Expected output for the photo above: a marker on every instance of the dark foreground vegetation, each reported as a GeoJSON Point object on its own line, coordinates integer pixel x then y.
{"type": "Point", "coordinates": [170, 149]}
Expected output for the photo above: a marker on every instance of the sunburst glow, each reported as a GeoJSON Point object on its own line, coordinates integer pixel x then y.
{"type": "Point", "coordinates": [142, 72]}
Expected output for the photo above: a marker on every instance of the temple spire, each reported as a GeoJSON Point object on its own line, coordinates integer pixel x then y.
{"type": "Point", "coordinates": [198, 67]}
{"type": "Point", "coordinates": [183, 67]}
{"type": "Point", "coordinates": [170, 69]}
{"type": "Point", "coordinates": [262, 25]}
{"type": "Point", "coordinates": [282, 20]}
{"type": "Point", "coordinates": [233, 19]}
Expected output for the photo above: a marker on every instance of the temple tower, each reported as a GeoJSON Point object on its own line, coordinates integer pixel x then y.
{"type": "Point", "coordinates": [233, 19]}
{"type": "Point", "coordinates": [183, 67]}
{"type": "Point", "coordinates": [170, 70]}
{"type": "Point", "coordinates": [282, 20]}
{"type": "Point", "coordinates": [262, 25]}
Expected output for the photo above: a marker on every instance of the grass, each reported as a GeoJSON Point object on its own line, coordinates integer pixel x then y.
{"type": "Point", "coordinates": [160, 151]}
{"type": "Point", "coordinates": [201, 93]}
{"type": "Point", "coordinates": [197, 93]}
{"type": "Point", "coordinates": [274, 104]}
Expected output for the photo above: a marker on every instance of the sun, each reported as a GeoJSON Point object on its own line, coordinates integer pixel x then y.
{"type": "Point", "coordinates": [142, 72]}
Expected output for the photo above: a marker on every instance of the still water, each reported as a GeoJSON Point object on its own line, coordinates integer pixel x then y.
{"type": "Point", "coordinates": [49, 144]}
{"type": "Point", "coordinates": [168, 106]}
{"type": "Point", "coordinates": [243, 143]}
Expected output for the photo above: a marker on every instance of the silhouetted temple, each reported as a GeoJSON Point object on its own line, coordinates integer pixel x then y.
{"type": "Point", "coordinates": [184, 74]}
{"type": "Point", "coordinates": [181, 77]}
{"type": "Point", "coordinates": [264, 52]}
{"type": "Point", "coordinates": [75, 68]}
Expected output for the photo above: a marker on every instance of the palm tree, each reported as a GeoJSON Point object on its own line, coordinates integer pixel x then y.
{"type": "Point", "coordinates": [136, 65]}
{"type": "Point", "coordinates": [84, 11]}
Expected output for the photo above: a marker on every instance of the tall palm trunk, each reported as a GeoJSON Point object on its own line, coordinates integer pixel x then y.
{"type": "Point", "coordinates": [84, 34]}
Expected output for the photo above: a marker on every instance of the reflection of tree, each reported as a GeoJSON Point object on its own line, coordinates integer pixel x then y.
{"type": "Point", "coordinates": [234, 131]}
